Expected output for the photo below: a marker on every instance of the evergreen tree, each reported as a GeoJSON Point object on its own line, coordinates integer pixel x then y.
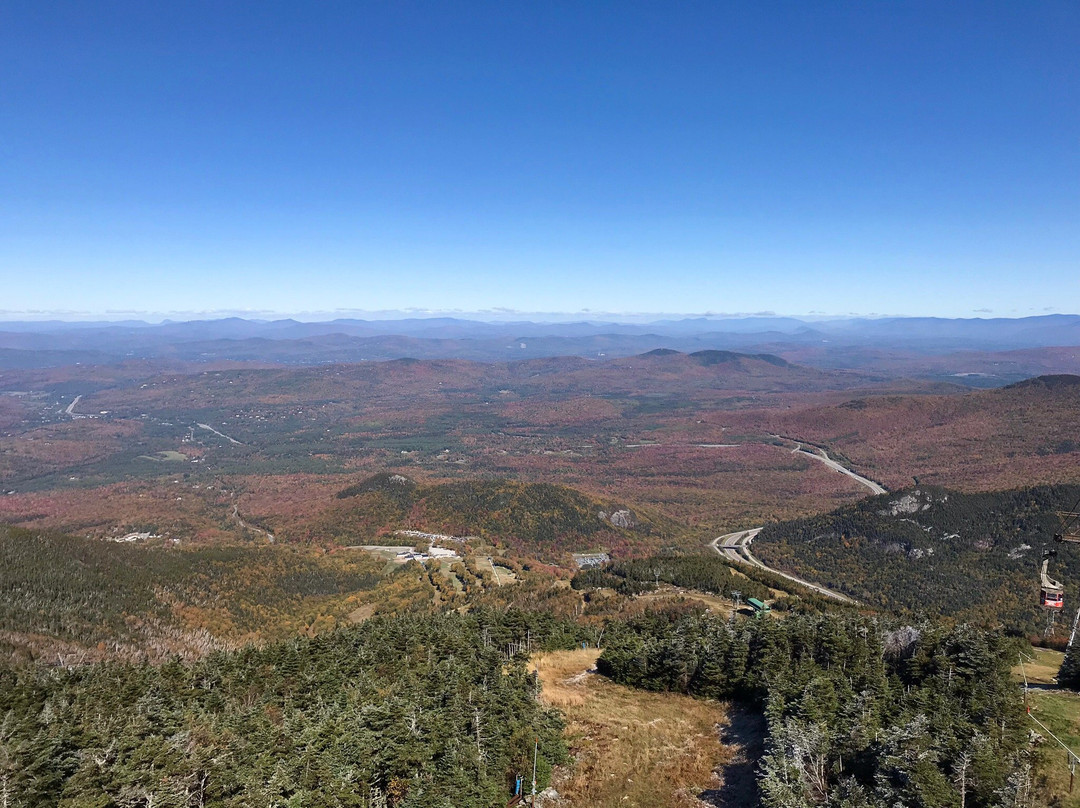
{"type": "Point", "coordinates": [1069, 675]}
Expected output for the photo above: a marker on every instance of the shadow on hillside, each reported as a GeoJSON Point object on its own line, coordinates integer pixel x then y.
{"type": "Point", "coordinates": [745, 731]}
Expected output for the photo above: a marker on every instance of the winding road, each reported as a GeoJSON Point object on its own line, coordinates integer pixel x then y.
{"type": "Point", "coordinates": [736, 546]}
{"type": "Point", "coordinates": [246, 526]}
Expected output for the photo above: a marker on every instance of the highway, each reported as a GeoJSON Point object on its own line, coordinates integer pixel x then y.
{"type": "Point", "coordinates": [246, 526]}
{"type": "Point", "coordinates": [71, 407]}
{"type": "Point", "coordinates": [219, 434]}
{"type": "Point", "coordinates": [823, 457]}
{"type": "Point", "coordinates": [736, 547]}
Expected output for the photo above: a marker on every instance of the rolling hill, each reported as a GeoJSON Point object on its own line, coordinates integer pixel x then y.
{"type": "Point", "coordinates": [534, 518]}
{"type": "Point", "coordinates": [99, 599]}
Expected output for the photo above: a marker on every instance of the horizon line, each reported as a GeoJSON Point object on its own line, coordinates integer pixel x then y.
{"type": "Point", "coordinates": [151, 317]}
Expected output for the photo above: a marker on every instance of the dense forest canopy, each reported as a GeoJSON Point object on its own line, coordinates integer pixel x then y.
{"type": "Point", "coordinates": [861, 712]}
{"type": "Point", "coordinates": [429, 702]}
{"type": "Point", "coordinates": [422, 711]}
{"type": "Point", "coordinates": [936, 552]}
{"type": "Point", "coordinates": [703, 573]}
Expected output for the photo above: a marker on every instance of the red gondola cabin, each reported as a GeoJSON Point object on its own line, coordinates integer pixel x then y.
{"type": "Point", "coordinates": [1051, 593]}
{"type": "Point", "coordinates": [1052, 599]}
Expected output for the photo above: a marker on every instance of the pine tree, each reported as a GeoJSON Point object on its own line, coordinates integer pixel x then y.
{"type": "Point", "coordinates": [1069, 675]}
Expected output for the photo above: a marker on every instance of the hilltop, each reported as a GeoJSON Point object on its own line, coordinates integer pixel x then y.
{"type": "Point", "coordinates": [212, 455]}
{"type": "Point", "coordinates": [93, 600]}
{"type": "Point", "coordinates": [199, 452]}
{"type": "Point", "coordinates": [538, 518]}
{"type": "Point", "coordinates": [1057, 381]}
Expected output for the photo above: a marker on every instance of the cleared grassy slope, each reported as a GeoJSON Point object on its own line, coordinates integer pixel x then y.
{"type": "Point", "coordinates": [632, 748]}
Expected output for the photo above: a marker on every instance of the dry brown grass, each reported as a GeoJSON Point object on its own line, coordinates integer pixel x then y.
{"type": "Point", "coordinates": [362, 613]}
{"type": "Point", "coordinates": [563, 675]}
{"type": "Point", "coordinates": [718, 605]}
{"type": "Point", "coordinates": [1041, 666]}
{"type": "Point", "coordinates": [632, 748]}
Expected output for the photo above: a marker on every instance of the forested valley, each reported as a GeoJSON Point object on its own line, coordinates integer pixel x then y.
{"type": "Point", "coordinates": [205, 602]}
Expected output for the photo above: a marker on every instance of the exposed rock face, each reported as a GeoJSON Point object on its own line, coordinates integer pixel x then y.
{"type": "Point", "coordinates": [900, 642]}
{"type": "Point", "coordinates": [548, 796]}
{"type": "Point", "coordinates": [620, 518]}
{"type": "Point", "coordinates": [909, 503]}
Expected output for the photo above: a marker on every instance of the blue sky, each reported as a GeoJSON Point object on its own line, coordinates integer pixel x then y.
{"type": "Point", "coordinates": [866, 157]}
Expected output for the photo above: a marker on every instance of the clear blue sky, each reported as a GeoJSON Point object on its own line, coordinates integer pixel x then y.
{"type": "Point", "coordinates": [870, 157]}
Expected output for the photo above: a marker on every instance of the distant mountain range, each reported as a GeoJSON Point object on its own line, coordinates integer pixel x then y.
{"type": "Point", "coordinates": [856, 342]}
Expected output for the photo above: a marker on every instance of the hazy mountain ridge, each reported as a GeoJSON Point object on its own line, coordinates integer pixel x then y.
{"type": "Point", "coordinates": [349, 340]}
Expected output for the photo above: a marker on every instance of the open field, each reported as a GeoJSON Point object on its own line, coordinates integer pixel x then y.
{"type": "Point", "coordinates": [1040, 666]}
{"type": "Point", "coordinates": [1060, 711]}
{"type": "Point", "coordinates": [632, 748]}
{"type": "Point", "coordinates": [167, 456]}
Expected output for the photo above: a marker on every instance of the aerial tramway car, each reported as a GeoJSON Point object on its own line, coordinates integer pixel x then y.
{"type": "Point", "coordinates": [1052, 593]}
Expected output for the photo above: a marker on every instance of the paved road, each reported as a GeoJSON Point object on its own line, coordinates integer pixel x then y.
{"type": "Point", "coordinates": [246, 526]}
{"type": "Point", "coordinates": [736, 547]}
{"type": "Point", "coordinates": [71, 408]}
{"type": "Point", "coordinates": [221, 434]}
{"type": "Point", "coordinates": [823, 457]}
